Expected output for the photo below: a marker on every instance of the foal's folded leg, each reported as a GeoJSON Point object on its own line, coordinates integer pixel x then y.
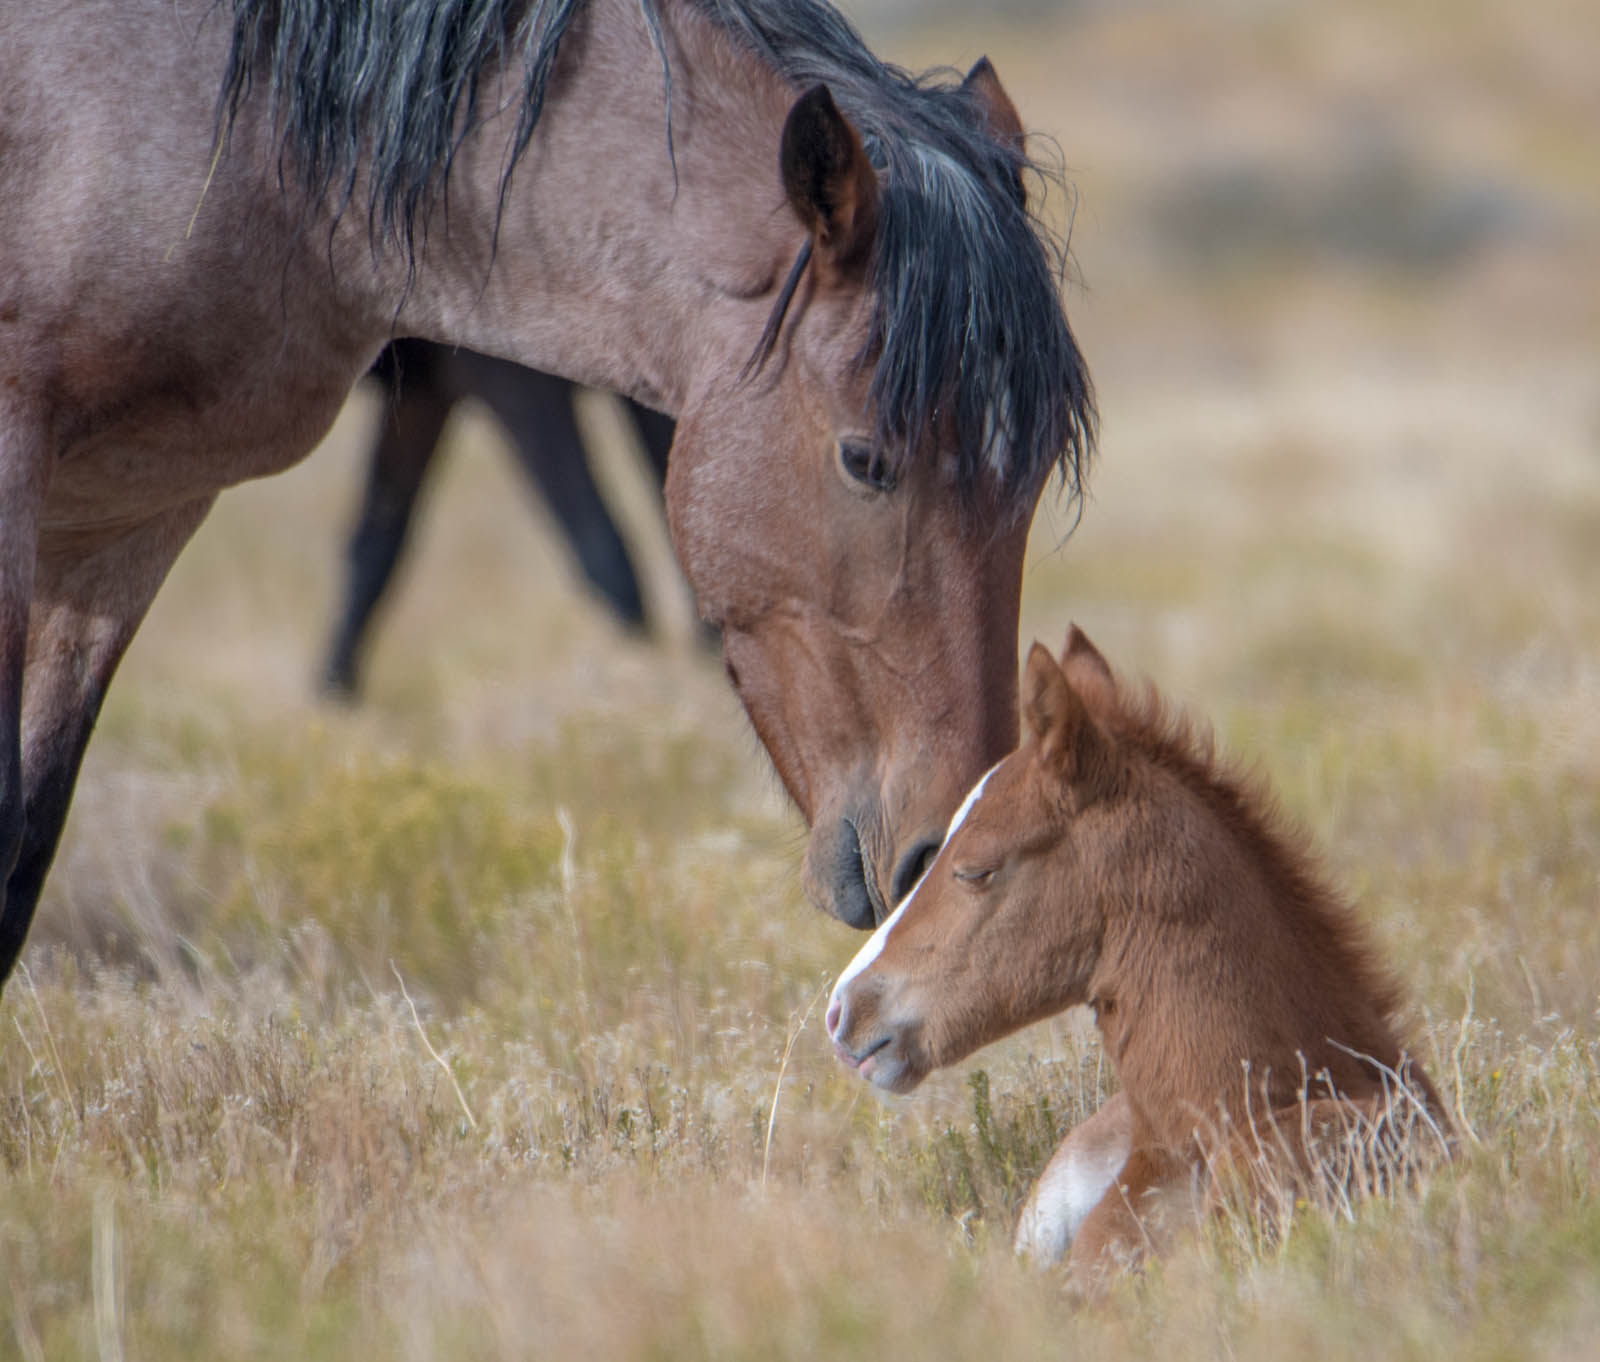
{"type": "Point", "coordinates": [1152, 1199]}
{"type": "Point", "coordinates": [1073, 1183]}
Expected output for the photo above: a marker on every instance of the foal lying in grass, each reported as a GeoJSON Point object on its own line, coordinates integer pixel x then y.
{"type": "Point", "coordinates": [1109, 861]}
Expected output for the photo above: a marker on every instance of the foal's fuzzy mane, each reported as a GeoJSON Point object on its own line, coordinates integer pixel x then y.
{"type": "Point", "coordinates": [1244, 802]}
{"type": "Point", "coordinates": [967, 324]}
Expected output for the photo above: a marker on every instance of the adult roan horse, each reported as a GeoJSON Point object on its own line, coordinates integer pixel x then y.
{"type": "Point", "coordinates": [727, 209]}
{"type": "Point", "coordinates": [423, 383]}
{"type": "Point", "coordinates": [1110, 861]}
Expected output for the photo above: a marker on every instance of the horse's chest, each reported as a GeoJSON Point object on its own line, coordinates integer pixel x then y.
{"type": "Point", "coordinates": [181, 433]}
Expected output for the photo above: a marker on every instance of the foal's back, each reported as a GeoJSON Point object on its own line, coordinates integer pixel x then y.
{"type": "Point", "coordinates": [1253, 1021]}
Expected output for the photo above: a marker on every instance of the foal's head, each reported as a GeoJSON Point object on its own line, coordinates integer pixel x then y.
{"type": "Point", "coordinates": [1109, 860]}
{"type": "Point", "coordinates": [1008, 923]}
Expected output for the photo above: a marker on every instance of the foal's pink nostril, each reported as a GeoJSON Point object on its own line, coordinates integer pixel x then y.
{"type": "Point", "coordinates": [835, 1009]}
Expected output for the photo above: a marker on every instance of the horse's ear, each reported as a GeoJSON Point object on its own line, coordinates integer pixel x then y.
{"type": "Point", "coordinates": [999, 113]}
{"type": "Point", "coordinates": [1070, 743]}
{"type": "Point", "coordinates": [1085, 667]}
{"type": "Point", "coordinates": [999, 116]}
{"type": "Point", "coordinates": [829, 180]}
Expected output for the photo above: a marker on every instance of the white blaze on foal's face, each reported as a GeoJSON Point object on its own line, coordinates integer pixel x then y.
{"type": "Point", "coordinates": [881, 1061]}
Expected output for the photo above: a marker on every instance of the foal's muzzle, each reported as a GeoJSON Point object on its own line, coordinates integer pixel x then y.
{"type": "Point", "coordinates": [865, 1040]}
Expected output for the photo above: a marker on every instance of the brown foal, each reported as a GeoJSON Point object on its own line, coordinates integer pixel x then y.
{"type": "Point", "coordinates": [1110, 861]}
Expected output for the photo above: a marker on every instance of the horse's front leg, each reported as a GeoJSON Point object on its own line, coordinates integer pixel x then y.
{"type": "Point", "coordinates": [24, 459]}
{"type": "Point", "coordinates": [86, 607]}
{"type": "Point", "coordinates": [1075, 1181]}
{"type": "Point", "coordinates": [655, 435]}
{"type": "Point", "coordinates": [413, 420]}
{"type": "Point", "coordinates": [538, 415]}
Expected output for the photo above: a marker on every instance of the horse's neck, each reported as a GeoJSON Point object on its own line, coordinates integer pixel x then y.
{"type": "Point", "coordinates": [1230, 998]}
{"type": "Point", "coordinates": [616, 262]}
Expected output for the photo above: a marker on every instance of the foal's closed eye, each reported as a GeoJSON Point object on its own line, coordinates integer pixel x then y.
{"type": "Point", "coordinates": [866, 465]}
{"type": "Point", "coordinates": [975, 875]}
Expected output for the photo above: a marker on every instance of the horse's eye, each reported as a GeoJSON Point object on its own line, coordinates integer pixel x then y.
{"type": "Point", "coordinates": [866, 465]}
{"type": "Point", "coordinates": [976, 876]}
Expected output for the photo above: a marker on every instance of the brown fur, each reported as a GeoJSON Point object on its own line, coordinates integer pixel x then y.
{"type": "Point", "coordinates": [1113, 860]}
{"type": "Point", "coordinates": [173, 323]}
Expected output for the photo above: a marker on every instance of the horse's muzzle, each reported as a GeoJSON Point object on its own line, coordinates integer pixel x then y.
{"type": "Point", "coordinates": [837, 878]}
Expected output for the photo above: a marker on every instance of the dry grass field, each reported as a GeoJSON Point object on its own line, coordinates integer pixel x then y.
{"type": "Point", "coordinates": [481, 1022]}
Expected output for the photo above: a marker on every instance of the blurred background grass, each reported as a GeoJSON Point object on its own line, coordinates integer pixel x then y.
{"type": "Point", "coordinates": [1337, 270]}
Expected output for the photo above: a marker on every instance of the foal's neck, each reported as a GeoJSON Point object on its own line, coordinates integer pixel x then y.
{"type": "Point", "coordinates": [1241, 978]}
{"type": "Point", "coordinates": [619, 262]}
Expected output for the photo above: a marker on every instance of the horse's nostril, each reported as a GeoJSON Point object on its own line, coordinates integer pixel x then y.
{"type": "Point", "coordinates": [910, 869]}
{"type": "Point", "coordinates": [835, 1009]}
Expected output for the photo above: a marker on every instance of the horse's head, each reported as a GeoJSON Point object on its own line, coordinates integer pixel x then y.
{"type": "Point", "coordinates": [841, 294]}
{"type": "Point", "coordinates": [849, 507]}
{"type": "Point", "coordinates": [1006, 926]}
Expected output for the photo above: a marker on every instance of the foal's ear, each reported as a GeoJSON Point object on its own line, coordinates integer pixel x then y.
{"type": "Point", "coordinates": [829, 180]}
{"type": "Point", "coordinates": [1070, 743]}
{"type": "Point", "coordinates": [1086, 668]}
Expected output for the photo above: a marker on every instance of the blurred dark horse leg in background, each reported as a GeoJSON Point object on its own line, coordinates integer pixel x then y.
{"type": "Point", "coordinates": [423, 382]}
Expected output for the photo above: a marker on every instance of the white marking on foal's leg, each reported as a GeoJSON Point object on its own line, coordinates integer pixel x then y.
{"type": "Point", "coordinates": [875, 943]}
{"type": "Point", "coordinates": [1077, 1178]}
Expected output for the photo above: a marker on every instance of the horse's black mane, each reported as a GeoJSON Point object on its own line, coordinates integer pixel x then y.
{"type": "Point", "coordinates": [966, 282]}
